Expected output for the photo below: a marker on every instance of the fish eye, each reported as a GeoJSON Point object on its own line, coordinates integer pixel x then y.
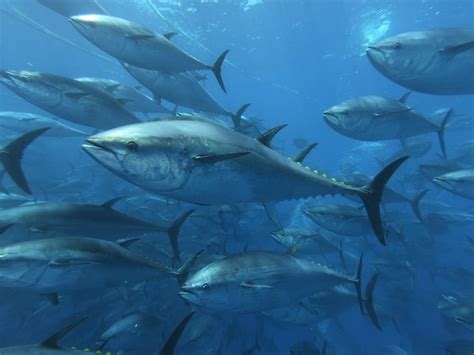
{"type": "Point", "coordinates": [205, 287]}
{"type": "Point", "coordinates": [397, 45]}
{"type": "Point", "coordinates": [132, 146]}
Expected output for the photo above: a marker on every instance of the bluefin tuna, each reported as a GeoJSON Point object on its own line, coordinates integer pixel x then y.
{"type": "Point", "coordinates": [129, 96]}
{"type": "Point", "coordinates": [460, 182]}
{"type": "Point", "coordinates": [79, 219]}
{"type": "Point", "coordinates": [73, 7]}
{"type": "Point", "coordinates": [22, 122]}
{"type": "Point", "coordinates": [376, 118]}
{"type": "Point", "coordinates": [137, 45]}
{"type": "Point", "coordinates": [439, 62]}
{"type": "Point", "coordinates": [68, 98]}
{"type": "Point", "coordinates": [198, 161]}
{"type": "Point", "coordinates": [182, 89]}
{"type": "Point", "coordinates": [257, 281]}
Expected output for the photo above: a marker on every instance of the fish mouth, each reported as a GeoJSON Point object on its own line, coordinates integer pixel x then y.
{"type": "Point", "coordinates": [80, 24]}
{"type": "Point", "coordinates": [187, 295]}
{"type": "Point", "coordinates": [92, 147]}
{"type": "Point", "coordinates": [375, 55]}
{"type": "Point", "coordinates": [331, 118]}
{"type": "Point", "coordinates": [7, 77]}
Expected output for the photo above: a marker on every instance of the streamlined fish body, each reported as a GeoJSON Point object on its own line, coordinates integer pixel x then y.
{"type": "Point", "coordinates": [439, 62]}
{"type": "Point", "coordinates": [130, 97]}
{"type": "Point", "coordinates": [258, 281]}
{"type": "Point", "coordinates": [182, 89]}
{"type": "Point", "coordinates": [73, 263]}
{"type": "Point", "coordinates": [22, 122]}
{"type": "Point", "coordinates": [67, 98]}
{"type": "Point", "coordinates": [137, 45]}
{"type": "Point", "coordinates": [206, 163]}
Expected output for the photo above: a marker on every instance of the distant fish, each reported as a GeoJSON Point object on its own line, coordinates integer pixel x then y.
{"type": "Point", "coordinates": [79, 219]}
{"type": "Point", "coordinates": [70, 8]}
{"type": "Point", "coordinates": [439, 62]}
{"type": "Point", "coordinates": [137, 45]}
{"type": "Point", "coordinates": [130, 97]}
{"type": "Point", "coordinates": [340, 219]}
{"type": "Point", "coordinates": [55, 265]}
{"type": "Point", "coordinates": [376, 118]}
{"type": "Point", "coordinates": [182, 89]}
{"type": "Point", "coordinates": [433, 168]}
{"type": "Point", "coordinates": [67, 98]}
{"type": "Point", "coordinates": [300, 143]}
{"type": "Point", "coordinates": [22, 122]}
{"type": "Point", "coordinates": [459, 182]}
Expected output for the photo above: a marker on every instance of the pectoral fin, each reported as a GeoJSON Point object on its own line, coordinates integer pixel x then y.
{"type": "Point", "coordinates": [455, 50]}
{"type": "Point", "coordinates": [141, 37]}
{"type": "Point", "coordinates": [67, 263]}
{"type": "Point", "coordinates": [215, 158]}
{"type": "Point", "coordinates": [39, 229]}
{"type": "Point", "coordinates": [250, 284]}
{"type": "Point", "coordinates": [381, 114]}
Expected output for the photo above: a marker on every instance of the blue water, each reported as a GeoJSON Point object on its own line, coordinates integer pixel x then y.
{"type": "Point", "coordinates": [291, 60]}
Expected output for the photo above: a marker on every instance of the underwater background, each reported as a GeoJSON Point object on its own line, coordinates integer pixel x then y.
{"type": "Point", "coordinates": [291, 60]}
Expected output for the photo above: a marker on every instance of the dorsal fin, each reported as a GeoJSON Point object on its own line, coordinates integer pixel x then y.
{"type": "Point", "coordinates": [300, 157]}
{"type": "Point", "coordinates": [267, 137]}
{"type": "Point", "coordinates": [53, 340]}
{"type": "Point", "coordinates": [12, 154]}
{"type": "Point", "coordinates": [404, 98]}
{"type": "Point", "coordinates": [182, 273]}
{"type": "Point", "coordinates": [168, 348]}
{"type": "Point", "coordinates": [111, 88]}
{"type": "Point", "coordinates": [237, 116]}
{"type": "Point", "coordinates": [110, 203]}
{"type": "Point", "coordinates": [169, 35]}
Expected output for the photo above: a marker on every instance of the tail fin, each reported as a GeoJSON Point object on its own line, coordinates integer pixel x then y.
{"type": "Point", "coordinates": [168, 348]}
{"type": "Point", "coordinates": [173, 232]}
{"type": "Point", "coordinates": [358, 282]}
{"type": "Point", "coordinates": [369, 300]}
{"type": "Point", "coordinates": [11, 156]}
{"type": "Point", "coordinates": [415, 204]}
{"type": "Point", "coordinates": [237, 116]}
{"type": "Point", "coordinates": [371, 194]}
{"type": "Point", "coordinates": [217, 68]}
{"type": "Point", "coordinates": [441, 131]}
{"type": "Point", "coordinates": [182, 273]}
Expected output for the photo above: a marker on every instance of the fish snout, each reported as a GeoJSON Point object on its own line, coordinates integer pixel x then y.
{"type": "Point", "coordinates": [96, 147]}
{"type": "Point", "coordinates": [83, 22]}
{"type": "Point", "coordinates": [187, 293]}
{"type": "Point", "coordinates": [331, 117]}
